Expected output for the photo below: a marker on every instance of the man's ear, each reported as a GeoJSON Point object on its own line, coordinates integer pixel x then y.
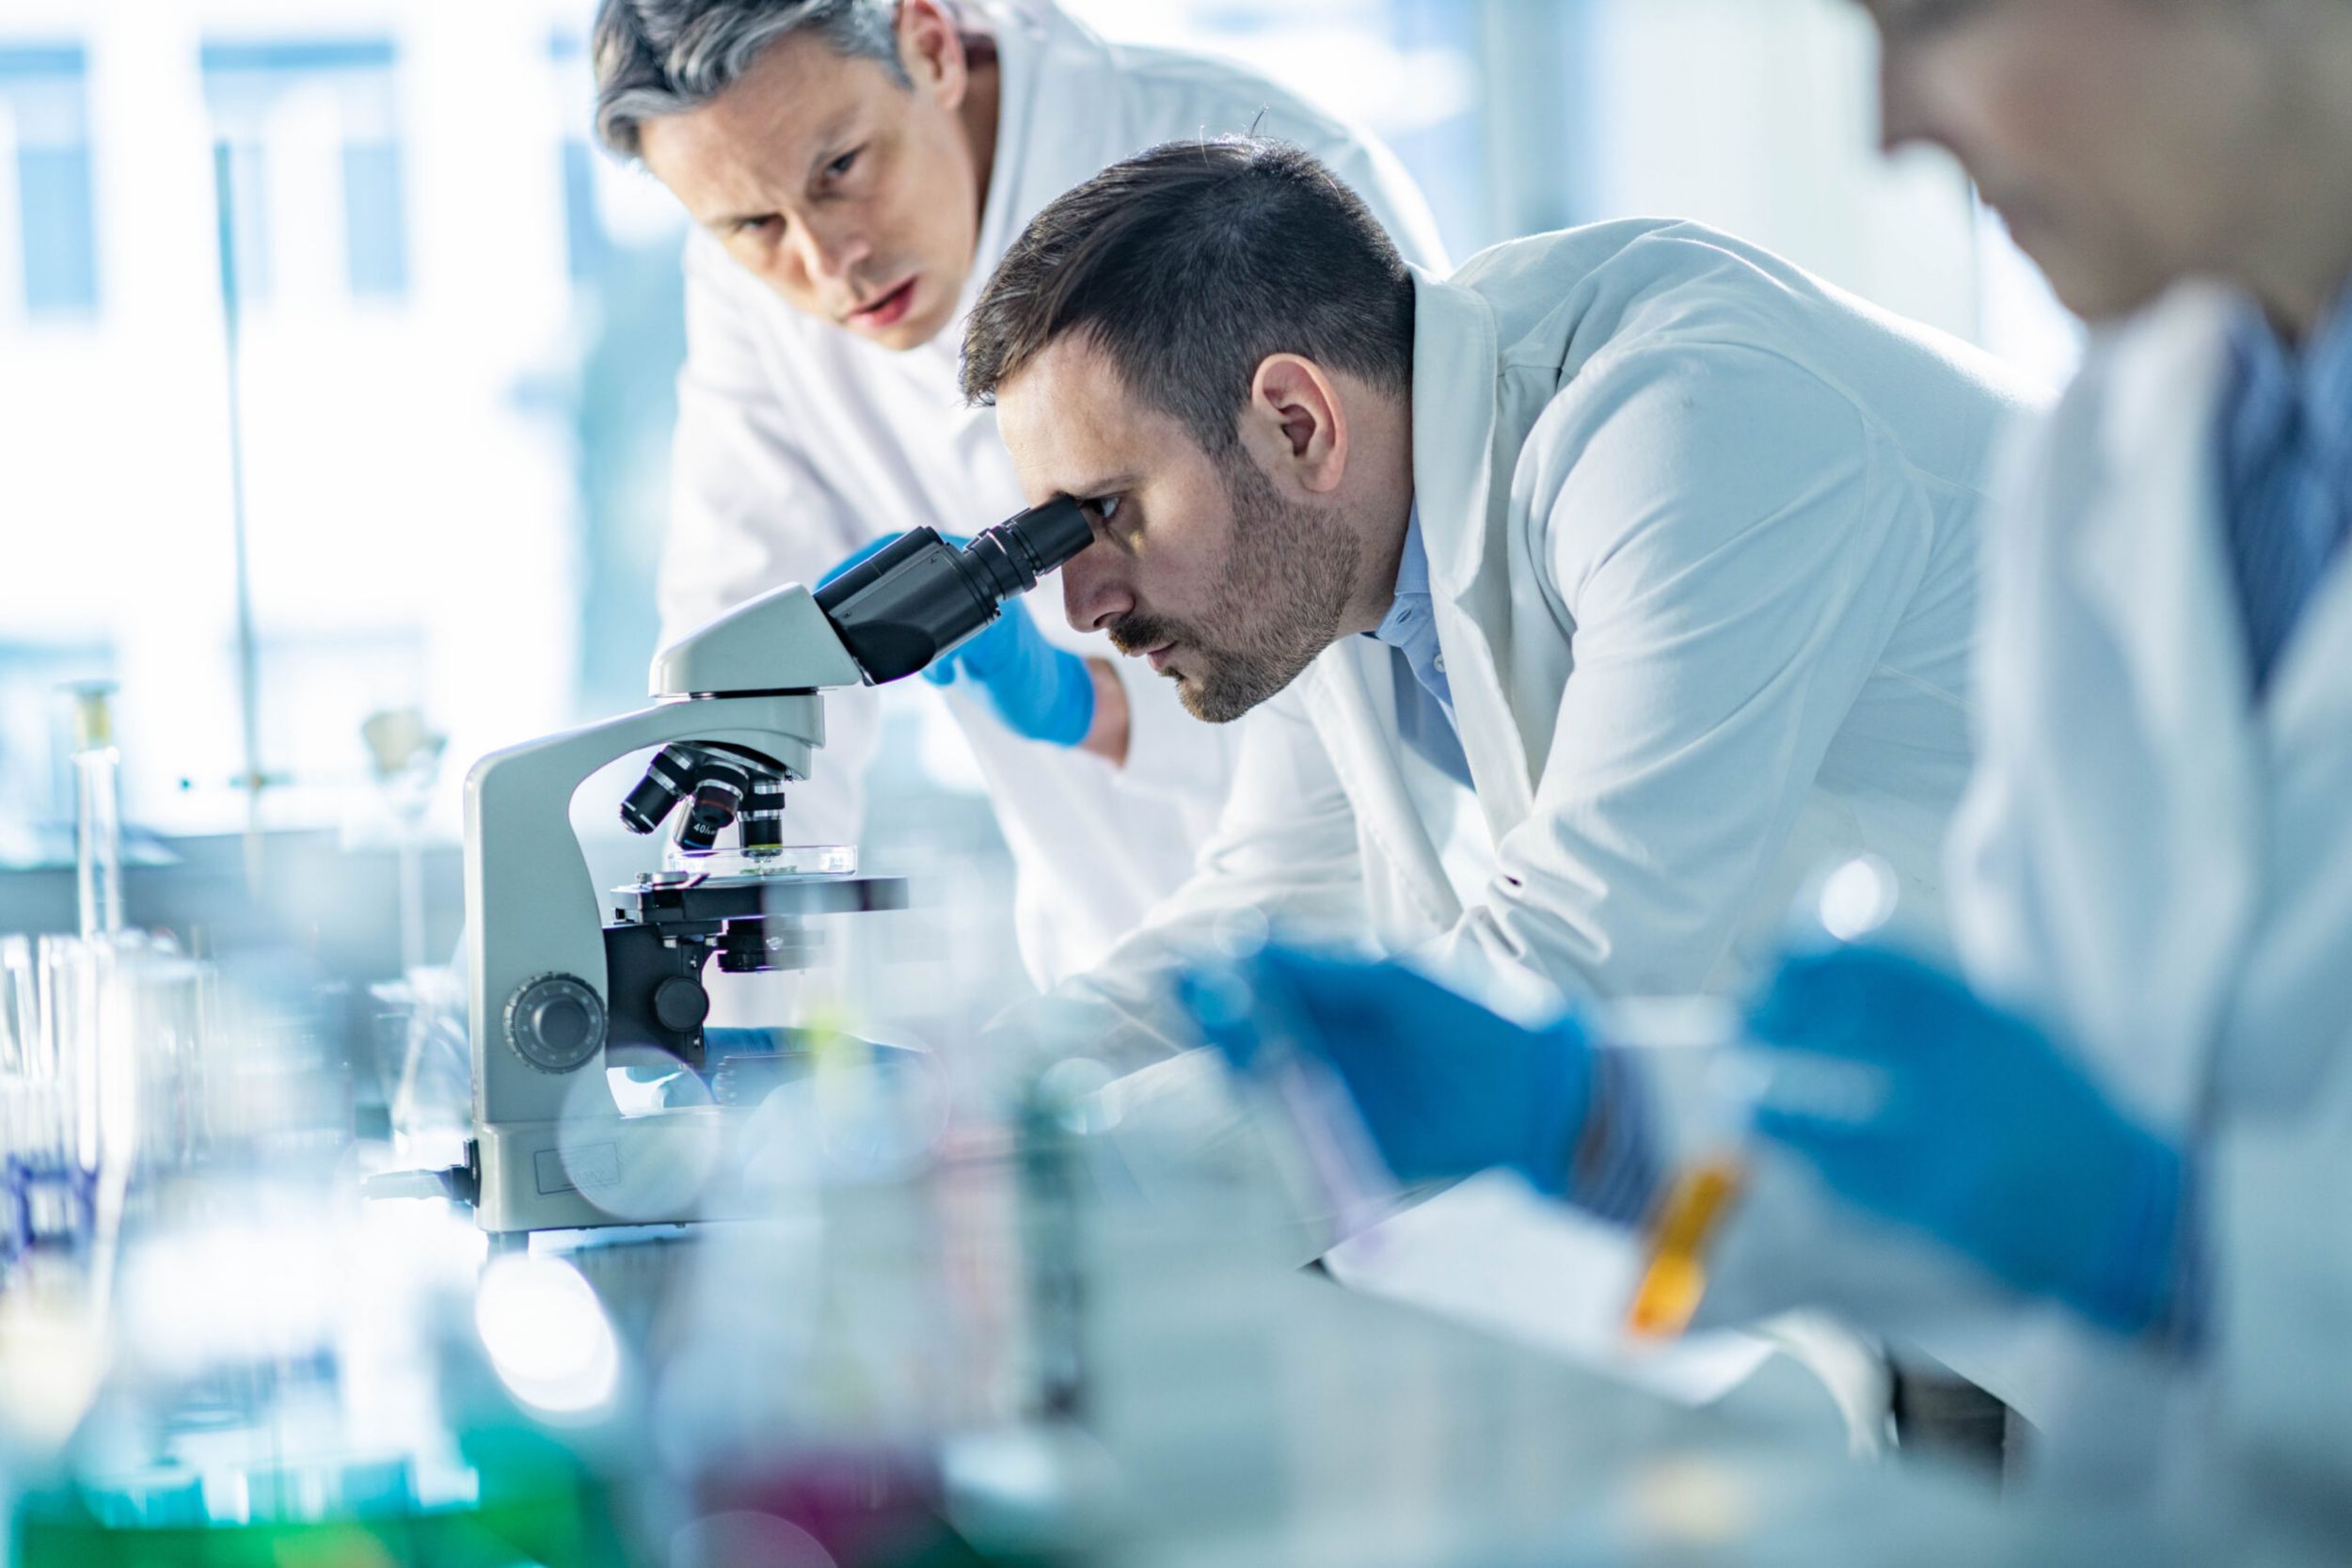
{"type": "Point", "coordinates": [932, 51]}
{"type": "Point", "coordinates": [1297, 423]}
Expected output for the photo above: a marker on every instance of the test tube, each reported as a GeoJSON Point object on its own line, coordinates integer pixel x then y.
{"type": "Point", "coordinates": [97, 809]}
{"type": "Point", "coordinates": [1674, 1280]}
{"type": "Point", "coordinates": [1856, 900]}
{"type": "Point", "coordinates": [20, 1022]}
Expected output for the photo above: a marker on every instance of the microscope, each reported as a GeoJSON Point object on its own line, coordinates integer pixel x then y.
{"type": "Point", "coordinates": [557, 994]}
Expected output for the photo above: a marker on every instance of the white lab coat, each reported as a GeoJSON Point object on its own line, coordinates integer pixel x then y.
{"type": "Point", "coordinates": [1703, 537]}
{"type": "Point", "coordinates": [797, 442]}
{"type": "Point", "coordinates": [2164, 872]}
{"type": "Point", "coordinates": [1702, 542]}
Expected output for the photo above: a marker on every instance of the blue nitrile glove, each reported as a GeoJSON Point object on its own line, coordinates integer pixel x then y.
{"type": "Point", "coordinates": [1040, 691]}
{"type": "Point", "coordinates": [1988, 1138]}
{"type": "Point", "coordinates": [1446, 1088]}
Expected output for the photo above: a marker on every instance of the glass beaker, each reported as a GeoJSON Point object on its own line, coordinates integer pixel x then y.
{"type": "Point", "coordinates": [102, 1078]}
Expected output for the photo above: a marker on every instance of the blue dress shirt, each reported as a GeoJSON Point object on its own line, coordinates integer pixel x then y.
{"type": "Point", "coordinates": [1424, 703]}
{"type": "Point", "coordinates": [2286, 474]}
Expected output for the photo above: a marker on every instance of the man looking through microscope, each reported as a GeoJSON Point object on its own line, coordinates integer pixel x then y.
{"type": "Point", "coordinates": [853, 168]}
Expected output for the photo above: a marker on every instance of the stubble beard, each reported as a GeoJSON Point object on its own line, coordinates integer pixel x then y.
{"type": "Point", "coordinates": [1289, 575]}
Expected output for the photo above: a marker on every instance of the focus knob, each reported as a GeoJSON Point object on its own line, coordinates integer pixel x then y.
{"type": "Point", "coordinates": [556, 1022]}
{"type": "Point", "coordinates": [681, 1005]}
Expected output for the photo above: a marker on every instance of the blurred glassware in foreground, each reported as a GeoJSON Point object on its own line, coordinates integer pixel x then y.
{"type": "Point", "coordinates": [424, 1065]}
{"type": "Point", "coordinates": [906, 1363]}
{"type": "Point", "coordinates": [288, 1380]}
{"type": "Point", "coordinates": [404, 752]}
{"type": "Point", "coordinates": [101, 1040]}
{"type": "Point", "coordinates": [1328, 1158]}
{"type": "Point", "coordinates": [1856, 900]}
{"type": "Point", "coordinates": [103, 1082]}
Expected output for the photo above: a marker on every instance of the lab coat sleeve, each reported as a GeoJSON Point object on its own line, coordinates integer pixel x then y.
{"type": "Point", "coordinates": [1731, 542]}
{"type": "Point", "coordinates": [749, 511]}
{"type": "Point", "coordinates": [1284, 857]}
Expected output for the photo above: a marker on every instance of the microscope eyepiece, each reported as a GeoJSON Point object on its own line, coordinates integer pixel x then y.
{"type": "Point", "coordinates": [919, 596]}
{"type": "Point", "coordinates": [1019, 551]}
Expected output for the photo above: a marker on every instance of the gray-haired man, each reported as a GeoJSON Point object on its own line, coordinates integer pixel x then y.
{"type": "Point", "coordinates": [854, 167]}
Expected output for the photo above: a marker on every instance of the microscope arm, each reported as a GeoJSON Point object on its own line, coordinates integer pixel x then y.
{"type": "Point", "coordinates": [535, 912]}
{"type": "Point", "coordinates": [539, 982]}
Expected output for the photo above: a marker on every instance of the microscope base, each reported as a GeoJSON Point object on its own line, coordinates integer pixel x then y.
{"type": "Point", "coordinates": [664, 1168]}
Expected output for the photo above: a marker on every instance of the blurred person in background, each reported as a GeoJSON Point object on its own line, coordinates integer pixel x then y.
{"type": "Point", "coordinates": [2152, 879]}
{"type": "Point", "coordinates": [2133, 1120]}
{"type": "Point", "coordinates": [853, 169]}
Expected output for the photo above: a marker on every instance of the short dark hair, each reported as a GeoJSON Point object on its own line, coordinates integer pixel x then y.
{"type": "Point", "coordinates": [1191, 264]}
{"type": "Point", "coordinates": [659, 57]}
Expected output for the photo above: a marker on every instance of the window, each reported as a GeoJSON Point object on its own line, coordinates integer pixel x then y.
{"type": "Point", "coordinates": [263, 98]}
{"type": "Point", "coordinates": [44, 111]}
{"type": "Point", "coordinates": [376, 252]}
{"type": "Point", "coordinates": [586, 247]}
{"type": "Point", "coordinates": [585, 243]}
{"type": "Point", "coordinates": [1409, 69]}
{"type": "Point", "coordinates": [243, 170]}
{"type": "Point", "coordinates": [407, 502]}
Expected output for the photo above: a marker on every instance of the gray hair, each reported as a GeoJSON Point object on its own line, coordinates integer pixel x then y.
{"type": "Point", "coordinates": [657, 58]}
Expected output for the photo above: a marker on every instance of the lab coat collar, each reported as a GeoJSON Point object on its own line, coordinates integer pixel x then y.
{"type": "Point", "coordinates": [2150, 552]}
{"type": "Point", "coordinates": [2155, 556]}
{"type": "Point", "coordinates": [1366, 751]}
{"type": "Point", "coordinates": [1029, 40]}
{"type": "Point", "coordinates": [1456, 390]}
{"type": "Point", "coordinates": [1455, 363]}
{"type": "Point", "coordinates": [1017, 46]}
{"type": "Point", "coordinates": [2150, 559]}
{"type": "Point", "coordinates": [2309, 693]}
